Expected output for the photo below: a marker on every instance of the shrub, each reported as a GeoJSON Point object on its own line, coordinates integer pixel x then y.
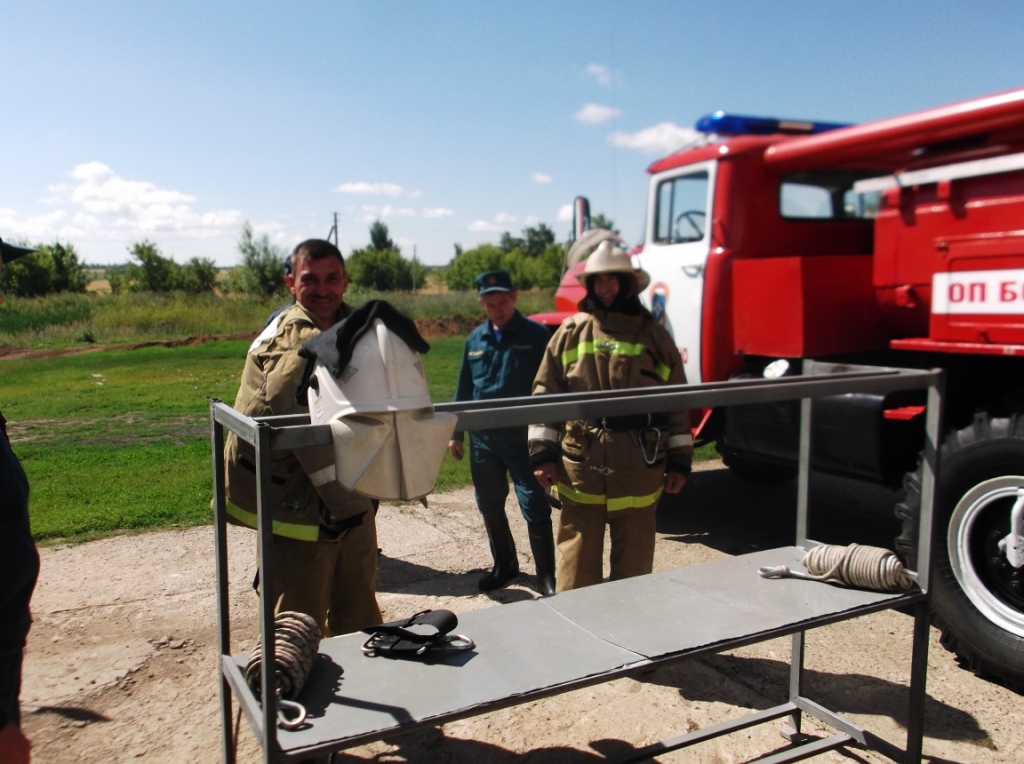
{"type": "Point", "coordinates": [262, 270]}
{"type": "Point", "coordinates": [53, 268]}
{"type": "Point", "coordinates": [156, 273]}
{"type": "Point", "coordinates": [465, 267]}
{"type": "Point", "coordinates": [383, 270]}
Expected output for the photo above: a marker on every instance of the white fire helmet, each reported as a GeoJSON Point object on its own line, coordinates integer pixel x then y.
{"type": "Point", "coordinates": [388, 441]}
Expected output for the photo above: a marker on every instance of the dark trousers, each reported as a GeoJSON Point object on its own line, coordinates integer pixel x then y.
{"type": "Point", "coordinates": [492, 460]}
{"type": "Point", "coordinates": [10, 685]}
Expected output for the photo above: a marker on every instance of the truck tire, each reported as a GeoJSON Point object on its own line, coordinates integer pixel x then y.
{"type": "Point", "coordinates": [977, 597]}
{"type": "Point", "coordinates": [755, 470]}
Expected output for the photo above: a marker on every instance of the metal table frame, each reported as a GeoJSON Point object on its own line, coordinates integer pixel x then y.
{"type": "Point", "coordinates": [818, 379]}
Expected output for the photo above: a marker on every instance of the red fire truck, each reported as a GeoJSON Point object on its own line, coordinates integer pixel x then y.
{"type": "Point", "coordinates": [898, 242]}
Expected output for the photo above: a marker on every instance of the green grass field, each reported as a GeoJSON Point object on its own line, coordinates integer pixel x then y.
{"type": "Point", "coordinates": [118, 440]}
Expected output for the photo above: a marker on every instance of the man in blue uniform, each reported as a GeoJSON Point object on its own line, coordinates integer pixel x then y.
{"type": "Point", "coordinates": [500, 359]}
{"type": "Point", "coordinates": [19, 567]}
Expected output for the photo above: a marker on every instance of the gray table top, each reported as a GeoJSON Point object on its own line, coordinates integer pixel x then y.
{"type": "Point", "coordinates": [541, 647]}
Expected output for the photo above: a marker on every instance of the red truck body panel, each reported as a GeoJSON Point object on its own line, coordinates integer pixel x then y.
{"type": "Point", "coordinates": [967, 129]}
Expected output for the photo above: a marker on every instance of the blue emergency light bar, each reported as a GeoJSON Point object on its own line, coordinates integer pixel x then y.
{"type": "Point", "coordinates": [721, 123]}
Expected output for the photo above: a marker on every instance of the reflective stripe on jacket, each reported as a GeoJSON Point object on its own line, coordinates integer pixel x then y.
{"type": "Point", "coordinates": [621, 469]}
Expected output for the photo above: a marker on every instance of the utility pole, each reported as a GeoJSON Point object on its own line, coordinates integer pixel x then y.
{"type": "Point", "coordinates": [334, 230]}
{"type": "Point", "coordinates": [414, 268]}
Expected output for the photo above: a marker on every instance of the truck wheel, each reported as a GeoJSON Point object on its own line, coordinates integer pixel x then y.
{"type": "Point", "coordinates": [755, 470]}
{"type": "Point", "coordinates": [977, 597]}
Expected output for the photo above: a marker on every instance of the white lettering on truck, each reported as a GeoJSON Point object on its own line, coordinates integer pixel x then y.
{"type": "Point", "coordinates": [979, 292]}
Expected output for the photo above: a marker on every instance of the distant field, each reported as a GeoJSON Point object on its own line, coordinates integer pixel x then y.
{"type": "Point", "coordinates": [79, 320]}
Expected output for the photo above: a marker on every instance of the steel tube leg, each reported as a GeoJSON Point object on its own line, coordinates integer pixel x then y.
{"type": "Point", "coordinates": [918, 680]}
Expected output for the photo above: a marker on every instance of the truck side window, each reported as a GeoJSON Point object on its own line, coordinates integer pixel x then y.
{"type": "Point", "coordinates": [681, 213]}
{"type": "Point", "coordinates": [826, 195]}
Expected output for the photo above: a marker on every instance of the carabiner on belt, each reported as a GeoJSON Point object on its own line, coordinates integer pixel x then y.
{"type": "Point", "coordinates": [657, 443]}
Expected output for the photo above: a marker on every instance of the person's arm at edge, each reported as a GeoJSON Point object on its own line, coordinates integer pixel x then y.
{"type": "Point", "coordinates": [15, 748]}
{"type": "Point", "coordinates": [679, 461]}
{"type": "Point", "coordinates": [463, 392]}
{"type": "Point", "coordinates": [543, 438]}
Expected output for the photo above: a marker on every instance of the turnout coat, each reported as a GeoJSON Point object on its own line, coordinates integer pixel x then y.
{"type": "Point", "coordinates": [273, 372]}
{"type": "Point", "coordinates": [617, 462]}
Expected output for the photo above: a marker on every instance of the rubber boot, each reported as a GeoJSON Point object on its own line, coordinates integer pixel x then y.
{"type": "Point", "coordinates": [503, 549]}
{"type": "Point", "coordinates": [542, 542]}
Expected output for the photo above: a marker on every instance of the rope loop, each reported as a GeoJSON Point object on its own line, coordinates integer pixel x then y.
{"type": "Point", "coordinates": [296, 641]}
{"type": "Point", "coordinates": [864, 567]}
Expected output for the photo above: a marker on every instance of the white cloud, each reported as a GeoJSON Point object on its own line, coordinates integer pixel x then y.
{"type": "Point", "coordinates": [531, 221]}
{"type": "Point", "coordinates": [437, 212]}
{"type": "Point", "coordinates": [565, 213]}
{"type": "Point", "coordinates": [100, 190]}
{"type": "Point", "coordinates": [600, 73]}
{"type": "Point", "coordinates": [595, 113]}
{"type": "Point", "coordinates": [392, 190]}
{"type": "Point", "coordinates": [34, 227]}
{"type": "Point", "coordinates": [112, 207]}
{"type": "Point", "coordinates": [663, 138]}
{"type": "Point", "coordinates": [539, 177]}
{"type": "Point", "coordinates": [501, 222]}
{"type": "Point", "coordinates": [371, 212]}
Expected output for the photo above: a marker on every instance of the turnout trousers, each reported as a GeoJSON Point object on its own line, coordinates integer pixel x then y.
{"type": "Point", "coordinates": [333, 581]}
{"type": "Point", "coordinates": [580, 543]}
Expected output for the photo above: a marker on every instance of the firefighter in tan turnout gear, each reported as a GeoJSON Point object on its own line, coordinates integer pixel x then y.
{"type": "Point", "coordinates": [611, 470]}
{"type": "Point", "coordinates": [325, 538]}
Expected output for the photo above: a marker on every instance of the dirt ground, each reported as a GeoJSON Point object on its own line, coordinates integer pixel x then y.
{"type": "Point", "coordinates": [121, 662]}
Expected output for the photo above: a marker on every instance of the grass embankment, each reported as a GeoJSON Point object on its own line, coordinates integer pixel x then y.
{"type": "Point", "coordinates": [119, 440]}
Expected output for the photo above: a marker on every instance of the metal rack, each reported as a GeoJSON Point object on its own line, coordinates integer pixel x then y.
{"type": "Point", "coordinates": [604, 632]}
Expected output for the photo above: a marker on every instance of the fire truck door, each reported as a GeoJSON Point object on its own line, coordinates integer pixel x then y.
{"type": "Point", "coordinates": [675, 252]}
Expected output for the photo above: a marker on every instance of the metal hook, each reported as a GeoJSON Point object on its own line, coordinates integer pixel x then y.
{"type": "Point", "coordinates": [297, 709]}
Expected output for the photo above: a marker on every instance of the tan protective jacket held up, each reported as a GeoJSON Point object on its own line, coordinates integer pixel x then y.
{"type": "Point", "coordinates": [619, 463]}
{"type": "Point", "coordinates": [272, 373]}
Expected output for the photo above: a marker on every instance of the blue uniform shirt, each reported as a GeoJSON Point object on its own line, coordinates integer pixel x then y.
{"type": "Point", "coordinates": [501, 368]}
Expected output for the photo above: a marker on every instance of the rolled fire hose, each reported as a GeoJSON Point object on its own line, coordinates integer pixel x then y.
{"type": "Point", "coordinates": [296, 641]}
{"type": "Point", "coordinates": [864, 567]}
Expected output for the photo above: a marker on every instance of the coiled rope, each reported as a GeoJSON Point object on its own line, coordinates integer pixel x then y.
{"type": "Point", "coordinates": [296, 641]}
{"type": "Point", "coordinates": [864, 567]}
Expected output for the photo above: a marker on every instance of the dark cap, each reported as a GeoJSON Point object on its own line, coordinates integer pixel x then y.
{"type": "Point", "coordinates": [10, 252]}
{"type": "Point", "coordinates": [494, 281]}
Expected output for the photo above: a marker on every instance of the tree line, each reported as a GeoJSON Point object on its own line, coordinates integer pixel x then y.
{"type": "Point", "coordinates": [534, 259]}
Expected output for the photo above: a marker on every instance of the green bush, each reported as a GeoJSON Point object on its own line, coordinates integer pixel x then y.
{"type": "Point", "coordinates": [543, 270]}
{"type": "Point", "coordinates": [53, 268]}
{"type": "Point", "coordinates": [155, 273]}
{"type": "Point", "coordinates": [383, 270]}
{"type": "Point", "coordinates": [262, 270]}
{"type": "Point", "coordinates": [466, 266]}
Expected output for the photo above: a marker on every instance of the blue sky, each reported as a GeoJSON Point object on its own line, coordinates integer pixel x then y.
{"type": "Point", "coordinates": [451, 121]}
